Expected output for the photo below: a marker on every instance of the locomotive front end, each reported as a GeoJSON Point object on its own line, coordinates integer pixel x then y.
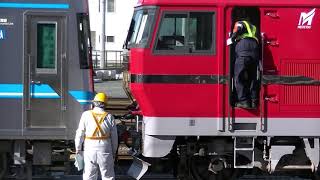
{"type": "Point", "coordinates": [176, 94]}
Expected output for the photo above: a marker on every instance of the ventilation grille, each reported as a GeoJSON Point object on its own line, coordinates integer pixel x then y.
{"type": "Point", "coordinates": [311, 70]}
{"type": "Point", "coordinates": [306, 95]}
{"type": "Point", "coordinates": [301, 95]}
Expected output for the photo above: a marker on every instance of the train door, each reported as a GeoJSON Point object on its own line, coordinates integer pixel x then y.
{"type": "Point", "coordinates": [240, 118]}
{"type": "Point", "coordinates": [44, 70]}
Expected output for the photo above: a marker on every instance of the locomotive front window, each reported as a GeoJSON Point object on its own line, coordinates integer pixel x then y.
{"type": "Point", "coordinates": [140, 28]}
{"type": "Point", "coordinates": [46, 47]}
{"type": "Point", "coordinates": [186, 32]}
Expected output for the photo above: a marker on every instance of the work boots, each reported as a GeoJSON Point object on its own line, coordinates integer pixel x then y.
{"type": "Point", "coordinates": [254, 103]}
{"type": "Point", "coordinates": [247, 104]}
{"type": "Point", "coordinates": [243, 104]}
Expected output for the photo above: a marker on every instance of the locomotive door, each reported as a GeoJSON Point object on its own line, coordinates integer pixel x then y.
{"type": "Point", "coordinates": [242, 118]}
{"type": "Point", "coordinates": [44, 76]}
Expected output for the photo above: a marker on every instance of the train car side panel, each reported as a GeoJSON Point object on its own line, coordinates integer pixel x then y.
{"type": "Point", "coordinates": [291, 65]}
{"type": "Point", "coordinates": [46, 78]}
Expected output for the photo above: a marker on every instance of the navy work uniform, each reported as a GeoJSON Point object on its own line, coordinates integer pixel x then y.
{"type": "Point", "coordinates": [247, 60]}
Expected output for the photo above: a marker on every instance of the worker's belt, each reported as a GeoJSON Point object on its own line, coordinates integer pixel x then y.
{"type": "Point", "coordinates": [98, 137]}
{"type": "Point", "coordinates": [103, 135]}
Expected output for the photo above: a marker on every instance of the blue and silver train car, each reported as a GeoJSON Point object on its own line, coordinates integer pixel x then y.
{"type": "Point", "coordinates": [45, 75]}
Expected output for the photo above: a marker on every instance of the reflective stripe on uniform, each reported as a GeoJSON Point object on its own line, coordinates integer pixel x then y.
{"type": "Point", "coordinates": [98, 128]}
{"type": "Point", "coordinates": [251, 31]}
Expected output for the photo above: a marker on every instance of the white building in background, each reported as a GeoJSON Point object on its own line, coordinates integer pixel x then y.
{"type": "Point", "coordinates": [118, 18]}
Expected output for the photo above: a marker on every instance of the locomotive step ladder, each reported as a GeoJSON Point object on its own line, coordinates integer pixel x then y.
{"type": "Point", "coordinates": [243, 149]}
{"type": "Point", "coordinates": [253, 124]}
{"type": "Point", "coordinates": [246, 124]}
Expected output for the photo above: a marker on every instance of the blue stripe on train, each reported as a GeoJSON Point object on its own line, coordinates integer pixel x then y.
{"type": "Point", "coordinates": [83, 97]}
{"type": "Point", "coordinates": [34, 5]}
{"type": "Point", "coordinates": [43, 91]}
{"type": "Point", "coordinates": [37, 91]}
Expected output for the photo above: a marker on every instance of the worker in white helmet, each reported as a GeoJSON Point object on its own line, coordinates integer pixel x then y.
{"type": "Point", "coordinates": [97, 130]}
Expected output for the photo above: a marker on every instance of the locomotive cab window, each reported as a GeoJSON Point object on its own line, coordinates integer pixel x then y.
{"type": "Point", "coordinates": [172, 33]}
{"type": "Point", "coordinates": [191, 32]}
{"type": "Point", "coordinates": [46, 47]}
{"type": "Point", "coordinates": [200, 30]}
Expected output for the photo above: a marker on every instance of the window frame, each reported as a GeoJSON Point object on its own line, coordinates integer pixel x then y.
{"type": "Point", "coordinates": [112, 37]}
{"type": "Point", "coordinates": [185, 50]}
{"type": "Point", "coordinates": [48, 70]}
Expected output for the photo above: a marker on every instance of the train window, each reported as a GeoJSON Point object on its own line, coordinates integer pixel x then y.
{"type": "Point", "coordinates": [187, 32]}
{"type": "Point", "coordinates": [110, 6]}
{"type": "Point", "coordinates": [84, 40]}
{"type": "Point", "coordinates": [46, 47]}
{"type": "Point", "coordinates": [172, 33]}
{"type": "Point", "coordinates": [200, 30]}
{"type": "Point", "coordinates": [140, 28]}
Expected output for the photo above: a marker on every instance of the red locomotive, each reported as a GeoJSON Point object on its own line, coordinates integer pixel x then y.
{"type": "Point", "coordinates": [182, 78]}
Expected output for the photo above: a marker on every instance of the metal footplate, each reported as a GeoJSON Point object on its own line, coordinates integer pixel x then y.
{"type": "Point", "coordinates": [243, 152]}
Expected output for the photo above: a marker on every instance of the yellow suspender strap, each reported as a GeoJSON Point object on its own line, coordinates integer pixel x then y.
{"type": "Point", "coordinates": [98, 128]}
{"type": "Point", "coordinates": [248, 28]}
{"type": "Point", "coordinates": [98, 123]}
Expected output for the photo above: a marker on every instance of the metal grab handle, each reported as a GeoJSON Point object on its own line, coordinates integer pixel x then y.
{"type": "Point", "coordinates": [274, 15]}
{"type": "Point", "coordinates": [28, 98]}
{"type": "Point", "coordinates": [63, 90]}
{"type": "Point", "coordinates": [263, 121]}
{"type": "Point", "coordinates": [272, 43]}
{"type": "Point", "coordinates": [36, 82]}
{"type": "Point", "coordinates": [273, 99]}
{"type": "Point", "coordinates": [271, 70]}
